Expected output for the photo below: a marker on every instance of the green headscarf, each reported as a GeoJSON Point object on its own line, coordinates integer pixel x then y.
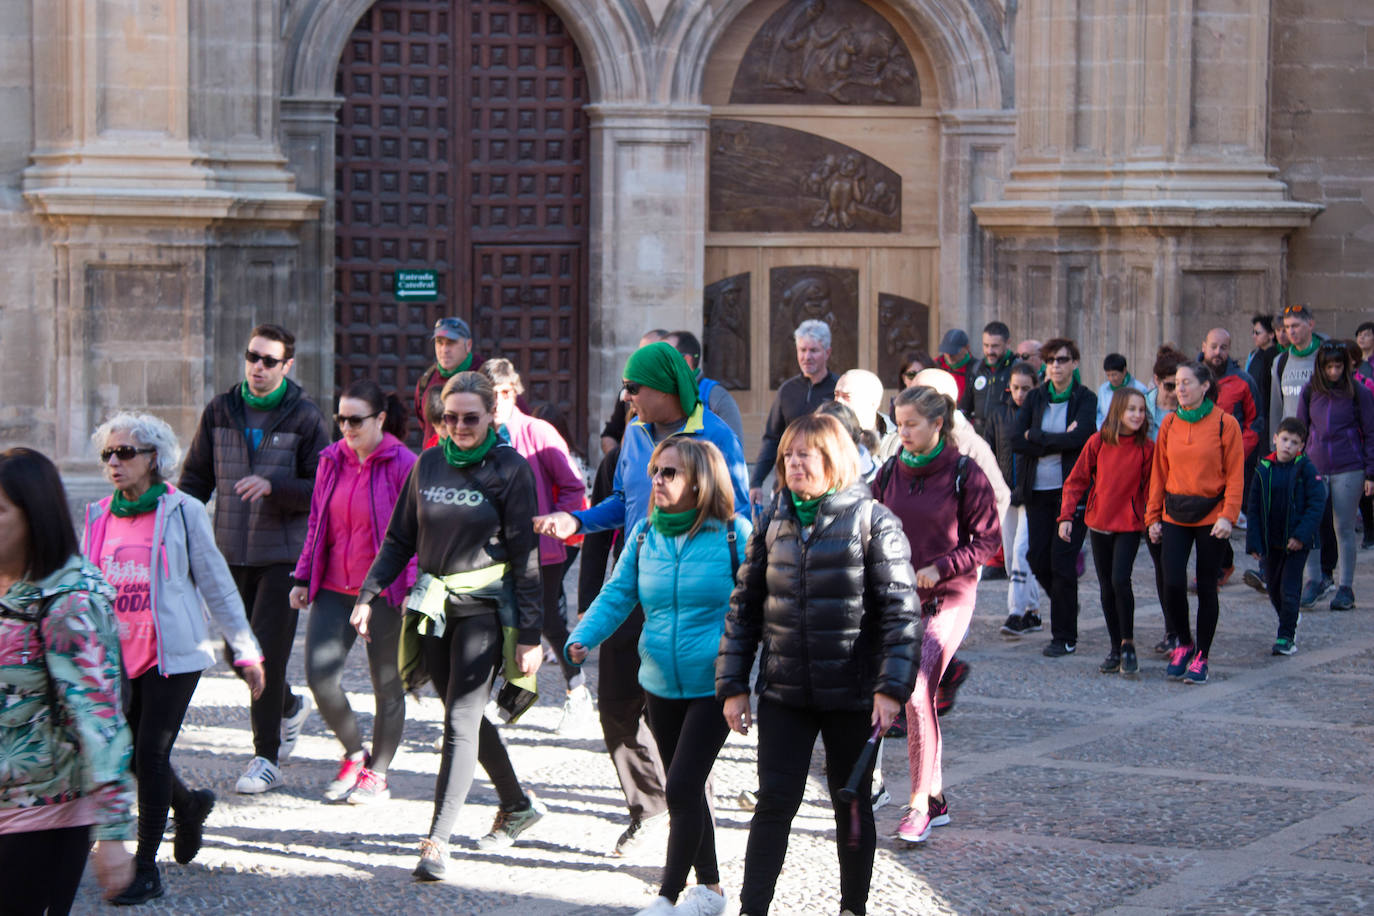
{"type": "Point", "coordinates": [462, 458]}
{"type": "Point", "coordinates": [659, 366]}
{"type": "Point", "coordinates": [807, 508]}
{"type": "Point", "coordinates": [121, 507]}
{"type": "Point", "coordinates": [1312, 345]}
{"type": "Point", "coordinates": [1058, 397]}
{"type": "Point", "coordinates": [671, 524]}
{"type": "Point", "coordinates": [464, 366]}
{"type": "Point", "coordinates": [912, 460]}
{"type": "Point", "coordinates": [266, 402]}
{"type": "Point", "coordinates": [1196, 413]}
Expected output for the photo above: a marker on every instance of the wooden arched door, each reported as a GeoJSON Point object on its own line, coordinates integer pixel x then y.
{"type": "Point", "coordinates": [461, 148]}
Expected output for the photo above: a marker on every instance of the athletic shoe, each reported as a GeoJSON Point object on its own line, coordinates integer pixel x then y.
{"type": "Point", "coordinates": [1225, 576]}
{"type": "Point", "coordinates": [880, 797]}
{"type": "Point", "coordinates": [938, 811]}
{"type": "Point", "coordinates": [1313, 591]}
{"type": "Point", "coordinates": [508, 826]}
{"type": "Point", "coordinates": [261, 775]}
{"type": "Point", "coordinates": [1197, 671]}
{"type": "Point", "coordinates": [1111, 664]}
{"type": "Point", "coordinates": [147, 885]}
{"type": "Point", "coordinates": [1032, 622]}
{"type": "Point", "coordinates": [349, 771]}
{"type": "Point", "coordinates": [1130, 666]}
{"type": "Point", "coordinates": [371, 788]}
{"type": "Point", "coordinates": [1241, 522]}
{"type": "Point", "coordinates": [1252, 578]}
{"type": "Point", "coordinates": [190, 826]}
{"type": "Point", "coordinates": [579, 711]}
{"type": "Point", "coordinates": [291, 727]}
{"type": "Point", "coordinates": [661, 906]}
{"type": "Point", "coordinates": [1285, 646]}
{"type": "Point", "coordinates": [1015, 626]}
{"type": "Point", "coordinates": [954, 678]}
{"type": "Point", "coordinates": [1166, 645]}
{"type": "Point", "coordinates": [640, 833]}
{"type": "Point", "coordinates": [1058, 649]}
{"type": "Point", "coordinates": [433, 861]}
{"type": "Point", "coordinates": [1368, 541]}
{"type": "Point", "coordinates": [747, 799]}
{"type": "Point", "coordinates": [994, 573]}
{"type": "Point", "coordinates": [1344, 600]}
{"type": "Point", "coordinates": [1178, 663]}
{"type": "Point", "coordinates": [915, 827]}
{"type": "Point", "coordinates": [700, 901]}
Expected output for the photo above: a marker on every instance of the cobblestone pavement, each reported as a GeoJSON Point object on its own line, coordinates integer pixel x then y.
{"type": "Point", "coordinates": [1070, 792]}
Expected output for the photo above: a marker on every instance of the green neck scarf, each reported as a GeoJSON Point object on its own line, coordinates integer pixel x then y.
{"type": "Point", "coordinates": [464, 366]}
{"type": "Point", "coordinates": [1058, 398]}
{"type": "Point", "coordinates": [124, 508]}
{"type": "Point", "coordinates": [807, 508]}
{"type": "Point", "coordinates": [671, 524]}
{"type": "Point", "coordinates": [1197, 413]}
{"type": "Point", "coordinates": [919, 461]}
{"type": "Point", "coordinates": [1125, 383]}
{"type": "Point", "coordinates": [269, 402]}
{"type": "Point", "coordinates": [659, 366]}
{"type": "Point", "coordinates": [462, 459]}
{"type": "Point", "coordinates": [1312, 346]}
{"type": "Point", "coordinates": [961, 363]}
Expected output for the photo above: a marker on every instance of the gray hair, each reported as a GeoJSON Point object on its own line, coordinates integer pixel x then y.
{"type": "Point", "coordinates": [149, 432]}
{"type": "Point", "coordinates": [816, 330]}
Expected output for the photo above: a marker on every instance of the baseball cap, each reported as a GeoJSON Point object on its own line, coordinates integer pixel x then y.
{"type": "Point", "coordinates": [955, 339]}
{"type": "Point", "coordinates": [453, 329]}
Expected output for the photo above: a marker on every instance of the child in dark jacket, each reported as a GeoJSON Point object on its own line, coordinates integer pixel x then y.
{"type": "Point", "coordinates": [1286, 502]}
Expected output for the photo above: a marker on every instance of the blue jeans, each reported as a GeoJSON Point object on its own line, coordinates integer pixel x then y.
{"type": "Point", "coordinates": [1283, 574]}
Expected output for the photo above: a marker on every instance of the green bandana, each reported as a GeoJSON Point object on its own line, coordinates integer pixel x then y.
{"type": "Point", "coordinates": [1056, 397]}
{"type": "Point", "coordinates": [960, 364]}
{"type": "Point", "coordinates": [464, 366]}
{"type": "Point", "coordinates": [671, 524]}
{"type": "Point", "coordinates": [462, 459]}
{"type": "Point", "coordinates": [124, 508]}
{"type": "Point", "coordinates": [659, 366]}
{"type": "Point", "coordinates": [1197, 413]}
{"type": "Point", "coordinates": [919, 461]}
{"type": "Point", "coordinates": [270, 402]}
{"type": "Point", "coordinates": [1312, 346]}
{"type": "Point", "coordinates": [1125, 382]}
{"type": "Point", "coordinates": [807, 508]}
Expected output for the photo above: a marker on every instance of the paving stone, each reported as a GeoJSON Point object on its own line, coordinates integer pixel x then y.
{"type": "Point", "coordinates": [1284, 891]}
{"type": "Point", "coordinates": [1354, 844]}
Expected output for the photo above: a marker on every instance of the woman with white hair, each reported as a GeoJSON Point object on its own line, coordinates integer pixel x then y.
{"type": "Point", "coordinates": [156, 547]}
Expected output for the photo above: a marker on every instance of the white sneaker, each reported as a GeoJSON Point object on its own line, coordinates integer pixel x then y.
{"type": "Point", "coordinates": [291, 728]}
{"type": "Point", "coordinates": [701, 901]}
{"type": "Point", "coordinates": [261, 775]}
{"type": "Point", "coordinates": [661, 906]}
{"type": "Point", "coordinates": [880, 797]}
{"type": "Point", "coordinates": [579, 712]}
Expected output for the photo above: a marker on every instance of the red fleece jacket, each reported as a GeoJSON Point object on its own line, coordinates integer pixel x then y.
{"type": "Point", "coordinates": [1116, 480]}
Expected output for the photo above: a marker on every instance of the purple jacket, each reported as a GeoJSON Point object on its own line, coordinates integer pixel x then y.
{"type": "Point", "coordinates": [1340, 430]}
{"type": "Point", "coordinates": [390, 464]}
{"type": "Point", "coordinates": [539, 443]}
{"type": "Point", "coordinates": [957, 534]}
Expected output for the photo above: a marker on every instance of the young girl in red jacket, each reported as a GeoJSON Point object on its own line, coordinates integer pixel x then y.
{"type": "Point", "coordinates": [1113, 474]}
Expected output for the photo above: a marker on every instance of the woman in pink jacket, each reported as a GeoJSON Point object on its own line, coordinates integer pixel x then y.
{"type": "Point", "coordinates": [357, 484]}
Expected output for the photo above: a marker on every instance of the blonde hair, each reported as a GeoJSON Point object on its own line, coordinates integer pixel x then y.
{"type": "Point", "coordinates": [828, 436]}
{"type": "Point", "coordinates": [704, 469]}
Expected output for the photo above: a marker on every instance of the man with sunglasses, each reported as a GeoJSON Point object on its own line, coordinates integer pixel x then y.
{"type": "Point", "coordinates": [256, 450]}
{"type": "Point", "coordinates": [989, 377]}
{"type": "Point", "coordinates": [452, 354]}
{"type": "Point", "coordinates": [1028, 351]}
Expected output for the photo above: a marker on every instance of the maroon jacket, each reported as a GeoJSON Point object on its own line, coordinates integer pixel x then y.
{"type": "Point", "coordinates": [957, 533]}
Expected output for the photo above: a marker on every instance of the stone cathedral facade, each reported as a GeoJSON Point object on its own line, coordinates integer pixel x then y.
{"type": "Point", "coordinates": [574, 172]}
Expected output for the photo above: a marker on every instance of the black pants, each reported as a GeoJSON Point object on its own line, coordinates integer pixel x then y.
{"type": "Point", "coordinates": [1283, 574]}
{"type": "Point", "coordinates": [1114, 558]}
{"type": "Point", "coordinates": [689, 733]}
{"type": "Point", "coordinates": [1054, 562]}
{"type": "Point", "coordinates": [787, 735]}
{"type": "Point", "coordinates": [1367, 517]}
{"type": "Point", "coordinates": [1179, 541]}
{"type": "Point", "coordinates": [634, 753]}
{"type": "Point", "coordinates": [265, 590]}
{"type": "Point", "coordinates": [555, 623]}
{"type": "Point", "coordinates": [462, 664]}
{"type": "Point", "coordinates": [1331, 550]}
{"type": "Point", "coordinates": [1157, 559]}
{"type": "Point", "coordinates": [157, 706]}
{"type": "Point", "coordinates": [42, 870]}
{"type": "Point", "coordinates": [596, 547]}
{"type": "Point", "coordinates": [328, 639]}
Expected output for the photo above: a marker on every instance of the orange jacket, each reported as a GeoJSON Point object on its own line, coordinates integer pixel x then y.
{"type": "Point", "coordinates": [1188, 461]}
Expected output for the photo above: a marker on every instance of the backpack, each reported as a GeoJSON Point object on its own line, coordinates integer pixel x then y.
{"type": "Point", "coordinates": [731, 540]}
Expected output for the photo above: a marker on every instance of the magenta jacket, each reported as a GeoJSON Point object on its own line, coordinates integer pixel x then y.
{"type": "Point", "coordinates": [390, 464]}
{"type": "Point", "coordinates": [541, 445]}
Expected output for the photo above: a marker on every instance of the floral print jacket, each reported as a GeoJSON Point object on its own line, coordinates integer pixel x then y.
{"type": "Point", "coordinates": [63, 738]}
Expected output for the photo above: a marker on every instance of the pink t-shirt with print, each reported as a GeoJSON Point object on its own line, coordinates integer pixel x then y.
{"type": "Point", "coordinates": [126, 559]}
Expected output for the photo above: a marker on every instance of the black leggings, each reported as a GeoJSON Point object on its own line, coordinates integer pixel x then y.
{"type": "Point", "coordinates": [689, 734]}
{"type": "Point", "coordinates": [555, 619]}
{"type": "Point", "coordinates": [1179, 541]}
{"type": "Point", "coordinates": [1157, 560]}
{"type": "Point", "coordinates": [787, 735]}
{"type": "Point", "coordinates": [328, 639]}
{"type": "Point", "coordinates": [157, 705]}
{"type": "Point", "coordinates": [43, 870]}
{"type": "Point", "coordinates": [1114, 557]}
{"type": "Point", "coordinates": [1055, 562]}
{"type": "Point", "coordinates": [463, 663]}
{"type": "Point", "coordinates": [265, 590]}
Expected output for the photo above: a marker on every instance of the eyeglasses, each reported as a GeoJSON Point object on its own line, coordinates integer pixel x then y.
{"type": "Point", "coordinates": [1059, 360]}
{"type": "Point", "coordinates": [1023, 356]}
{"type": "Point", "coordinates": [668, 474]}
{"type": "Point", "coordinates": [123, 453]}
{"type": "Point", "coordinates": [352, 422]}
{"type": "Point", "coordinates": [467, 419]}
{"type": "Point", "coordinates": [1168, 386]}
{"type": "Point", "coordinates": [631, 388]}
{"type": "Point", "coordinates": [271, 362]}
{"type": "Point", "coordinates": [910, 374]}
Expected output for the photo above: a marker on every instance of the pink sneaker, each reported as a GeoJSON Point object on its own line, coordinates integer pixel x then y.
{"type": "Point", "coordinates": [1178, 663]}
{"type": "Point", "coordinates": [915, 827]}
{"type": "Point", "coordinates": [350, 770]}
{"type": "Point", "coordinates": [371, 788]}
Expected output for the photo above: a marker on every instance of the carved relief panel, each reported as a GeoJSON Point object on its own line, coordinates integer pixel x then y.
{"type": "Point", "coordinates": [903, 326]}
{"type": "Point", "coordinates": [726, 338]}
{"type": "Point", "coordinates": [797, 294]}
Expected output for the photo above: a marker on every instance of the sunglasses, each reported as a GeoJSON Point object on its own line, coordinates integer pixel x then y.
{"type": "Point", "coordinates": [910, 374]}
{"type": "Point", "coordinates": [467, 419]}
{"type": "Point", "coordinates": [668, 474]}
{"type": "Point", "coordinates": [352, 422]}
{"type": "Point", "coordinates": [631, 388]}
{"type": "Point", "coordinates": [1023, 356]}
{"type": "Point", "coordinates": [1168, 386]}
{"type": "Point", "coordinates": [271, 362]}
{"type": "Point", "coordinates": [1059, 360]}
{"type": "Point", "coordinates": [123, 453]}
{"type": "Point", "coordinates": [1297, 310]}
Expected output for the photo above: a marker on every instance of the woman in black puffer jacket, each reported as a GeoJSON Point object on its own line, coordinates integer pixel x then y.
{"type": "Point", "coordinates": [828, 589]}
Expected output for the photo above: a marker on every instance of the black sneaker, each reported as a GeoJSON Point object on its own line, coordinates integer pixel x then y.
{"type": "Point", "coordinates": [1368, 542]}
{"type": "Point", "coordinates": [994, 573]}
{"type": "Point", "coordinates": [1166, 645]}
{"type": "Point", "coordinates": [190, 825]}
{"type": "Point", "coordinates": [949, 685]}
{"type": "Point", "coordinates": [1130, 666]}
{"type": "Point", "coordinates": [1058, 649]}
{"type": "Point", "coordinates": [1015, 627]}
{"type": "Point", "coordinates": [640, 832]}
{"type": "Point", "coordinates": [1032, 622]}
{"type": "Point", "coordinates": [1252, 578]}
{"type": "Point", "coordinates": [147, 885]}
{"type": "Point", "coordinates": [1344, 600]}
{"type": "Point", "coordinates": [1111, 664]}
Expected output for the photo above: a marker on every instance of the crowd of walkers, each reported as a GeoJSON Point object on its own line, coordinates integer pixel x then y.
{"type": "Point", "coordinates": [839, 574]}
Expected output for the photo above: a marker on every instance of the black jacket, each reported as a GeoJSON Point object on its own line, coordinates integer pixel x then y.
{"type": "Point", "coordinates": [987, 386]}
{"type": "Point", "coordinates": [271, 530]}
{"type": "Point", "coordinates": [1036, 445]}
{"type": "Point", "coordinates": [997, 431]}
{"type": "Point", "coordinates": [837, 622]}
{"type": "Point", "coordinates": [797, 397]}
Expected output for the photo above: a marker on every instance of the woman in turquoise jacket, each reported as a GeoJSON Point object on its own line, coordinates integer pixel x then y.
{"type": "Point", "coordinates": [679, 565]}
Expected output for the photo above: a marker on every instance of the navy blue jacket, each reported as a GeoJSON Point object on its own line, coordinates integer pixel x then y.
{"type": "Point", "coordinates": [1296, 493]}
